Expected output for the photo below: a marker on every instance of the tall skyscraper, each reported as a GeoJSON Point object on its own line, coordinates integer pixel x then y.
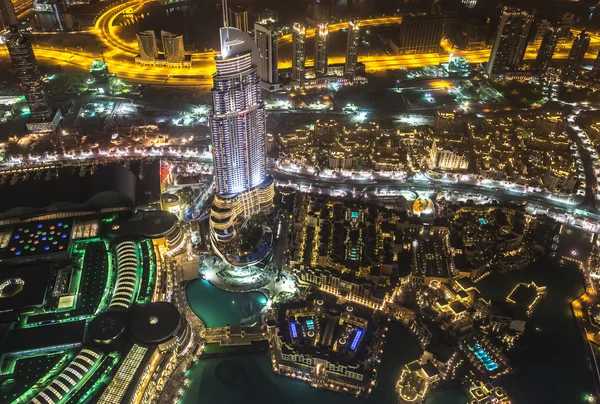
{"type": "Point", "coordinates": [352, 42]}
{"type": "Point", "coordinates": [510, 42]}
{"type": "Point", "coordinates": [173, 47]}
{"type": "Point", "coordinates": [265, 36]}
{"type": "Point", "coordinates": [321, 11]}
{"type": "Point", "coordinates": [239, 138]}
{"type": "Point", "coordinates": [267, 16]}
{"type": "Point", "coordinates": [321, 49]}
{"type": "Point", "coordinates": [573, 66]}
{"type": "Point", "coordinates": [147, 46]}
{"type": "Point", "coordinates": [52, 15]}
{"type": "Point", "coordinates": [25, 64]}
{"type": "Point", "coordinates": [238, 18]}
{"type": "Point", "coordinates": [298, 51]}
{"type": "Point", "coordinates": [420, 34]}
{"type": "Point", "coordinates": [544, 56]}
{"type": "Point", "coordinates": [596, 68]}
{"type": "Point", "coordinates": [8, 16]}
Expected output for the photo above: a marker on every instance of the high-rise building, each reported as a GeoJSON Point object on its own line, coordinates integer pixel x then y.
{"type": "Point", "coordinates": [267, 16]}
{"type": "Point", "coordinates": [8, 16]}
{"type": "Point", "coordinates": [265, 36]}
{"type": "Point", "coordinates": [326, 132]}
{"type": "Point", "coordinates": [147, 46]}
{"type": "Point", "coordinates": [576, 55]}
{"type": "Point", "coordinates": [566, 21]}
{"type": "Point", "coordinates": [52, 15]}
{"type": "Point", "coordinates": [447, 123]}
{"type": "Point", "coordinates": [447, 158]}
{"type": "Point", "coordinates": [321, 11]}
{"type": "Point", "coordinates": [239, 138]}
{"type": "Point", "coordinates": [298, 51]}
{"type": "Point", "coordinates": [510, 41]}
{"type": "Point", "coordinates": [238, 18]}
{"type": "Point", "coordinates": [420, 34]}
{"type": "Point", "coordinates": [25, 64]}
{"type": "Point", "coordinates": [352, 43]}
{"type": "Point", "coordinates": [173, 47]}
{"type": "Point", "coordinates": [473, 34]}
{"type": "Point", "coordinates": [596, 68]}
{"type": "Point", "coordinates": [321, 49]}
{"type": "Point", "coordinates": [544, 56]}
{"type": "Point", "coordinates": [549, 125]}
{"type": "Point", "coordinates": [540, 27]}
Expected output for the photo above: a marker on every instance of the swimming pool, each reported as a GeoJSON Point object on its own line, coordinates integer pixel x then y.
{"type": "Point", "coordinates": [217, 308]}
{"type": "Point", "coordinates": [483, 357]}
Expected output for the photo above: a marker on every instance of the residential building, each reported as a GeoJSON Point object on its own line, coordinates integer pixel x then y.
{"type": "Point", "coordinates": [265, 36]}
{"type": "Point", "coordinates": [321, 11]}
{"type": "Point", "coordinates": [352, 42]}
{"type": "Point", "coordinates": [25, 64]}
{"type": "Point", "coordinates": [596, 68]}
{"type": "Point", "coordinates": [340, 160]}
{"type": "Point", "coordinates": [238, 18]}
{"type": "Point", "coordinates": [420, 34]}
{"type": "Point", "coordinates": [8, 16]}
{"type": "Point", "coordinates": [326, 132]}
{"type": "Point", "coordinates": [576, 55]}
{"type": "Point", "coordinates": [321, 57]}
{"type": "Point", "coordinates": [298, 52]}
{"type": "Point", "coordinates": [510, 41]}
{"type": "Point", "coordinates": [267, 16]}
{"type": "Point", "coordinates": [446, 122]}
{"type": "Point", "coordinates": [447, 158]}
{"type": "Point", "coordinates": [544, 56]}
{"type": "Point", "coordinates": [52, 15]}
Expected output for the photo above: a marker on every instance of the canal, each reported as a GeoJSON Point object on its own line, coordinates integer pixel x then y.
{"type": "Point", "coordinates": [217, 308]}
{"type": "Point", "coordinates": [552, 366]}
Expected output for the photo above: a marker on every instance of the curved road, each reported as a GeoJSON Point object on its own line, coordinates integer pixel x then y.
{"type": "Point", "coordinates": [120, 53]}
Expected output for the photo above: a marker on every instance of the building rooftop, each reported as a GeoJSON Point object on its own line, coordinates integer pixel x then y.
{"type": "Point", "coordinates": [64, 189]}
{"type": "Point", "coordinates": [155, 323]}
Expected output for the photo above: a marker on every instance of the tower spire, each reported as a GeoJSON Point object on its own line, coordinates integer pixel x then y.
{"type": "Point", "coordinates": [225, 16]}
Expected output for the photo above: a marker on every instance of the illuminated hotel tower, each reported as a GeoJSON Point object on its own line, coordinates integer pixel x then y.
{"type": "Point", "coordinates": [321, 48]}
{"type": "Point", "coordinates": [298, 51]}
{"type": "Point", "coordinates": [239, 143]}
{"type": "Point", "coordinates": [352, 42]}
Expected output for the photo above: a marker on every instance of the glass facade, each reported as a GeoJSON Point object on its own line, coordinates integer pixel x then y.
{"type": "Point", "coordinates": [238, 122]}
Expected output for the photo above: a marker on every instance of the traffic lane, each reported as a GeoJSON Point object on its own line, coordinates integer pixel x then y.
{"type": "Point", "coordinates": [350, 185]}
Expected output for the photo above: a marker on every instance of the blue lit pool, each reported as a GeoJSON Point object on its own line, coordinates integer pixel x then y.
{"type": "Point", "coordinates": [483, 357]}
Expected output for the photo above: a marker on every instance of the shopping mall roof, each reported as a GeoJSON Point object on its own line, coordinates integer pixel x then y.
{"type": "Point", "coordinates": [110, 185]}
{"type": "Point", "coordinates": [65, 188]}
{"type": "Point", "coordinates": [155, 323]}
{"type": "Point", "coordinates": [151, 224]}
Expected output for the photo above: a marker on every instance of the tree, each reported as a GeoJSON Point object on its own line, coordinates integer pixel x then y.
{"type": "Point", "coordinates": [186, 196]}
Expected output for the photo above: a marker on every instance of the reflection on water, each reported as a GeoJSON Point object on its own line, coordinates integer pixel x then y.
{"type": "Point", "coordinates": [240, 376]}
{"type": "Point", "coordinates": [554, 353]}
{"type": "Point", "coordinates": [217, 308]}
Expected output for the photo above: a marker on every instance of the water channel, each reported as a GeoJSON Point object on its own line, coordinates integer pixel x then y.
{"type": "Point", "coordinates": [552, 366]}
